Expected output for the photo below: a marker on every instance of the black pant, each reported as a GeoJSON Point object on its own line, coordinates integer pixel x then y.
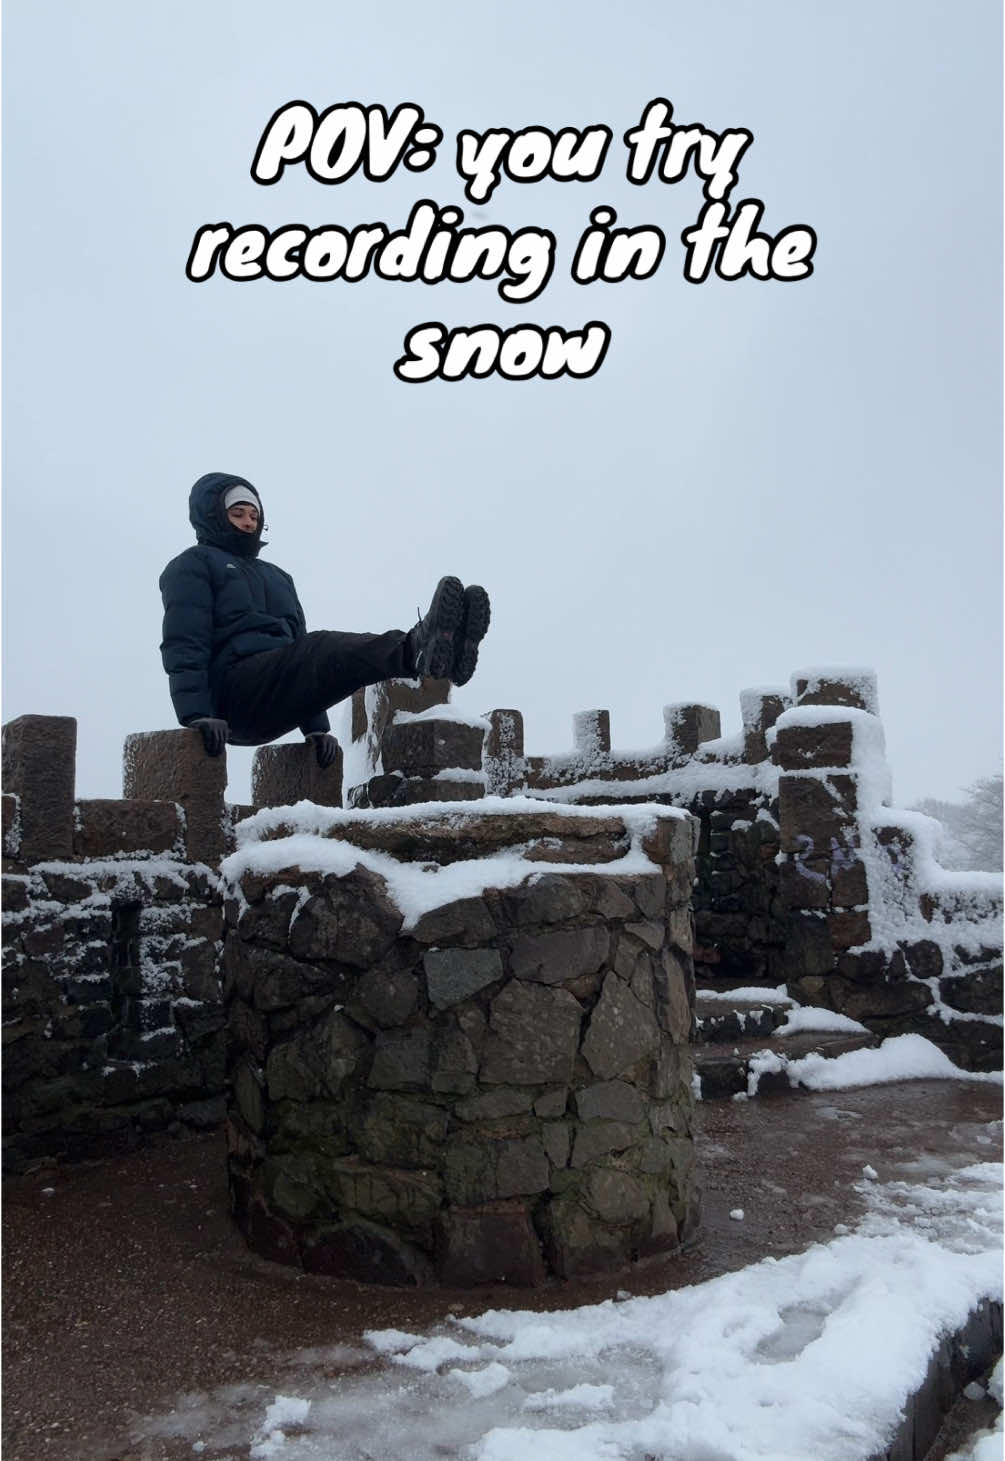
{"type": "Point", "coordinates": [266, 695]}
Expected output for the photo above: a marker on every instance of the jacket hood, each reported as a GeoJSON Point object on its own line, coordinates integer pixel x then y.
{"type": "Point", "coordinates": [206, 514]}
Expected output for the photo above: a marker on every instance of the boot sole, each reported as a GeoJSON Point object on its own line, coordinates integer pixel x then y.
{"type": "Point", "coordinates": [446, 612]}
{"type": "Point", "coordinates": [477, 614]}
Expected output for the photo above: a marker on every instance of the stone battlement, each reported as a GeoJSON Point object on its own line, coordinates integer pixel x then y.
{"type": "Point", "coordinates": [804, 876]}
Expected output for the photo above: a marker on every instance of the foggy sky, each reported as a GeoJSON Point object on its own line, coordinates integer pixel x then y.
{"type": "Point", "coordinates": [762, 476]}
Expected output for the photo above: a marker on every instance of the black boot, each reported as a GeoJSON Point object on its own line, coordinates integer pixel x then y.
{"type": "Point", "coordinates": [433, 640]}
{"type": "Point", "coordinates": [474, 627]}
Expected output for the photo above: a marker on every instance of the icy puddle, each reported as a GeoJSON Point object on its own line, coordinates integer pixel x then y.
{"type": "Point", "coordinates": [808, 1355]}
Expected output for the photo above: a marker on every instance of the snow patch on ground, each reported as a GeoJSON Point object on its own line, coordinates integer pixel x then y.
{"type": "Point", "coordinates": [809, 1355]}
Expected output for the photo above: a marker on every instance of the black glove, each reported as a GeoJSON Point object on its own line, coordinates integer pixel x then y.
{"type": "Point", "coordinates": [325, 748]}
{"type": "Point", "coordinates": [213, 732]}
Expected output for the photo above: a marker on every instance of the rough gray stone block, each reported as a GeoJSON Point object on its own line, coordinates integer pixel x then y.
{"type": "Point", "coordinates": [401, 1061]}
{"type": "Point", "coordinates": [616, 1196]}
{"type": "Point", "coordinates": [610, 1101]}
{"type": "Point", "coordinates": [388, 997]}
{"type": "Point", "coordinates": [533, 1036]}
{"type": "Point", "coordinates": [554, 958]}
{"type": "Point", "coordinates": [454, 1062]}
{"type": "Point", "coordinates": [600, 1138]}
{"type": "Point", "coordinates": [466, 921]}
{"type": "Point", "coordinates": [491, 1105]}
{"type": "Point", "coordinates": [557, 1142]}
{"type": "Point", "coordinates": [453, 975]}
{"type": "Point", "coordinates": [522, 1168]}
{"type": "Point", "coordinates": [621, 1032]}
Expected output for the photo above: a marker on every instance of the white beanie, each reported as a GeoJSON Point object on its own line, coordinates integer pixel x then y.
{"type": "Point", "coordinates": [241, 493]}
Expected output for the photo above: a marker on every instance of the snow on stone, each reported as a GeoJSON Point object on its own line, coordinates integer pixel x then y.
{"type": "Point", "coordinates": [899, 1058]}
{"type": "Point", "coordinates": [683, 782]}
{"type": "Point", "coordinates": [807, 1017]}
{"type": "Point", "coordinates": [723, 748]}
{"type": "Point", "coordinates": [441, 712]}
{"type": "Point", "coordinates": [868, 747]}
{"type": "Point", "coordinates": [414, 887]}
{"type": "Point", "coordinates": [752, 698]}
{"type": "Point", "coordinates": [861, 679]}
{"type": "Point", "coordinates": [752, 994]}
{"type": "Point", "coordinates": [358, 764]}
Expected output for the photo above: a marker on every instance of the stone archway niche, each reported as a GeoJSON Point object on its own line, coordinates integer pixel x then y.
{"type": "Point", "coordinates": [459, 1040]}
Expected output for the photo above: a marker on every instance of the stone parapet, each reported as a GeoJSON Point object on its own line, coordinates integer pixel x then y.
{"type": "Point", "coordinates": [502, 754]}
{"type": "Point", "coordinates": [173, 766]}
{"type": "Point", "coordinates": [39, 768]}
{"type": "Point", "coordinates": [493, 1088]}
{"type": "Point", "coordinates": [759, 709]}
{"type": "Point", "coordinates": [853, 689]}
{"type": "Point", "coordinates": [109, 828]}
{"type": "Point", "coordinates": [286, 774]}
{"type": "Point", "coordinates": [687, 726]}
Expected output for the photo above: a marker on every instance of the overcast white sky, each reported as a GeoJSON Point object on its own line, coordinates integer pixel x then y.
{"type": "Point", "coordinates": [761, 476]}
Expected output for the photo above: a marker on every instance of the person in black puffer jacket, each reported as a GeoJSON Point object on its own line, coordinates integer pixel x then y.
{"type": "Point", "coordinates": [241, 665]}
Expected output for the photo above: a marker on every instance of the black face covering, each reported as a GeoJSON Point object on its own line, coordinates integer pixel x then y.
{"type": "Point", "coordinates": [208, 515]}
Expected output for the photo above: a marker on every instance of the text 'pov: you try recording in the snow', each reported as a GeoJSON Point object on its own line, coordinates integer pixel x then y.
{"type": "Point", "coordinates": [436, 244]}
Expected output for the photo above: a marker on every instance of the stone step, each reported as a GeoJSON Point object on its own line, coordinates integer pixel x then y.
{"type": "Point", "coordinates": [743, 991]}
{"type": "Point", "coordinates": [724, 1071]}
{"type": "Point", "coordinates": [728, 1009]}
{"type": "Point", "coordinates": [719, 1020]}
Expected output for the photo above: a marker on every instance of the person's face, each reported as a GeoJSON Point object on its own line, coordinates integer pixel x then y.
{"type": "Point", "coordinates": [244, 517]}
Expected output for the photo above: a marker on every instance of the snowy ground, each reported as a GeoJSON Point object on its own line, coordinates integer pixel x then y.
{"type": "Point", "coordinates": [808, 1355]}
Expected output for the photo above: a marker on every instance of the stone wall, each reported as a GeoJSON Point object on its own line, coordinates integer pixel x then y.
{"type": "Point", "coordinates": [111, 1004]}
{"type": "Point", "coordinates": [113, 932]}
{"type": "Point", "coordinates": [876, 929]}
{"type": "Point", "coordinates": [496, 1088]}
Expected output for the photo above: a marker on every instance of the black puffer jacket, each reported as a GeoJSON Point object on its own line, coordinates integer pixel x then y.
{"type": "Point", "coordinates": [221, 603]}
